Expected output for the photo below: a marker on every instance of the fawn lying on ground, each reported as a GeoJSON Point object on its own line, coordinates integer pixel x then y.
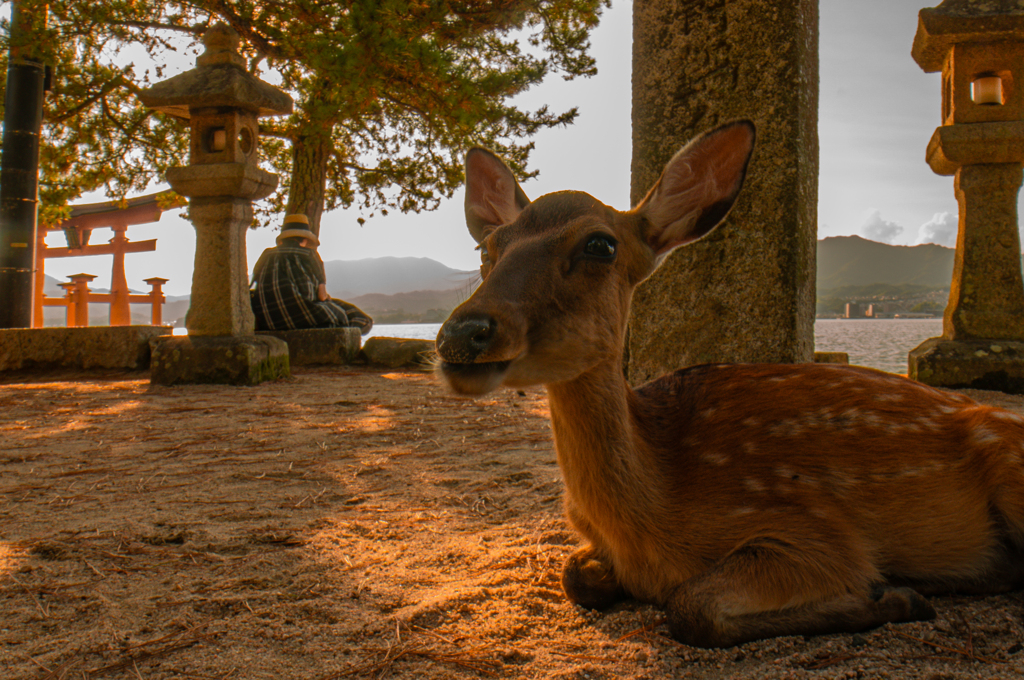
{"type": "Point", "coordinates": [749, 501]}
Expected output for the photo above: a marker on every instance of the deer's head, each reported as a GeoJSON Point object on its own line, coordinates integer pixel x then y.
{"type": "Point", "coordinates": [558, 272]}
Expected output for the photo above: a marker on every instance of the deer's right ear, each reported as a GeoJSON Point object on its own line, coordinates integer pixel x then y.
{"type": "Point", "coordinates": [493, 196]}
{"type": "Point", "coordinates": [697, 188]}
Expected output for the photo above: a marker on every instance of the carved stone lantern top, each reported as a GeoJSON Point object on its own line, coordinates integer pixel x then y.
{"type": "Point", "coordinates": [219, 79]}
{"type": "Point", "coordinates": [221, 101]}
{"type": "Point", "coordinates": [964, 21]}
{"type": "Point", "coordinates": [978, 45]}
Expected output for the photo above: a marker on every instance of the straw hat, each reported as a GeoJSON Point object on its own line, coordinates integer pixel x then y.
{"type": "Point", "coordinates": [297, 231]}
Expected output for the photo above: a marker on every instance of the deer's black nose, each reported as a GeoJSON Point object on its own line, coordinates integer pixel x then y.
{"type": "Point", "coordinates": [464, 339]}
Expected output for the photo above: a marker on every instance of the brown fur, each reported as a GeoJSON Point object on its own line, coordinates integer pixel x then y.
{"type": "Point", "coordinates": [748, 500]}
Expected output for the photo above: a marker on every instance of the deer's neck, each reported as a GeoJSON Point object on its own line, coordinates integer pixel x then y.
{"type": "Point", "coordinates": [603, 458]}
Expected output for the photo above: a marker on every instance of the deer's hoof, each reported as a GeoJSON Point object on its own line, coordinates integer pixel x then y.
{"type": "Point", "coordinates": [589, 581]}
{"type": "Point", "coordinates": [899, 605]}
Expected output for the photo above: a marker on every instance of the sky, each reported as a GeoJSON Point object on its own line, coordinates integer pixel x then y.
{"type": "Point", "coordinates": [878, 110]}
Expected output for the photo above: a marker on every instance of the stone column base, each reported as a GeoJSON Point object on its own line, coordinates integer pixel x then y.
{"type": "Point", "coordinates": [242, 360]}
{"type": "Point", "coordinates": [312, 346]}
{"type": "Point", "coordinates": [978, 364]}
{"type": "Point", "coordinates": [831, 358]}
{"type": "Point", "coordinates": [399, 352]}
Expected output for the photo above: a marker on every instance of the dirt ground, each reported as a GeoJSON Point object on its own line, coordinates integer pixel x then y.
{"type": "Point", "coordinates": [348, 523]}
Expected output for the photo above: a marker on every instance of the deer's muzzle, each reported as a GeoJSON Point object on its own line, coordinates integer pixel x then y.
{"type": "Point", "coordinates": [461, 343]}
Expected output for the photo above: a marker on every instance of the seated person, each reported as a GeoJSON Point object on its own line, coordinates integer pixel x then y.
{"type": "Point", "coordinates": [289, 287]}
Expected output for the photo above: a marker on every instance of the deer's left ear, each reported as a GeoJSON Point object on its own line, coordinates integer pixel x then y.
{"type": "Point", "coordinates": [697, 188]}
{"type": "Point", "coordinates": [493, 196]}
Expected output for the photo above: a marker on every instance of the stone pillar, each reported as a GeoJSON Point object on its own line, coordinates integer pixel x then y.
{"type": "Point", "coordinates": [745, 293]}
{"type": "Point", "coordinates": [221, 101]}
{"type": "Point", "coordinates": [986, 298]}
{"type": "Point", "coordinates": [220, 285]}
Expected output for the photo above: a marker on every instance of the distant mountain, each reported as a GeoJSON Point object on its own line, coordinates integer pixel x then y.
{"type": "Point", "coordinates": [854, 261]}
{"type": "Point", "coordinates": [422, 306]}
{"type": "Point", "coordinates": [52, 287]}
{"type": "Point", "coordinates": [347, 279]}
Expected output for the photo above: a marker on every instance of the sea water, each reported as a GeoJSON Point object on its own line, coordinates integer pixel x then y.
{"type": "Point", "coordinates": [878, 343]}
{"type": "Point", "coordinates": [415, 331]}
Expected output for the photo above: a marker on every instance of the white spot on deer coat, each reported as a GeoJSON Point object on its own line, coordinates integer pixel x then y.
{"type": "Point", "coordinates": [786, 428]}
{"type": "Point", "coordinates": [715, 458]}
{"type": "Point", "coordinates": [753, 485]}
{"type": "Point", "coordinates": [784, 472]}
{"type": "Point", "coordinates": [1008, 417]}
{"type": "Point", "coordinates": [982, 436]}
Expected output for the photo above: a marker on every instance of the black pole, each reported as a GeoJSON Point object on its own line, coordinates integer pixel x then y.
{"type": "Point", "coordinates": [19, 172]}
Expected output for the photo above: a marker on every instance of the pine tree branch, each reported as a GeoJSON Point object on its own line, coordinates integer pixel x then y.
{"type": "Point", "coordinates": [196, 31]}
{"type": "Point", "coordinates": [106, 89]}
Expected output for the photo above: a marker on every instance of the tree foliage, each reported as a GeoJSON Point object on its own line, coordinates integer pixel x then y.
{"type": "Point", "coordinates": [388, 93]}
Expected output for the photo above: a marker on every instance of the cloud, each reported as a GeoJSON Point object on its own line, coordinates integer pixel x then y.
{"type": "Point", "coordinates": [940, 229]}
{"type": "Point", "coordinates": [877, 229]}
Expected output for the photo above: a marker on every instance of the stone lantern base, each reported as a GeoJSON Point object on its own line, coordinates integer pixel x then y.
{"type": "Point", "coordinates": [978, 364]}
{"type": "Point", "coordinates": [231, 360]}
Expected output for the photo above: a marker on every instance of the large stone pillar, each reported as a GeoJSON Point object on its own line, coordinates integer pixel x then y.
{"type": "Point", "coordinates": [745, 293]}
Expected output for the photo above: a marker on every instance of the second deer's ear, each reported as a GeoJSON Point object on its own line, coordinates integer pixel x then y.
{"type": "Point", "coordinates": [493, 196]}
{"type": "Point", "coordinates": [697, 188]}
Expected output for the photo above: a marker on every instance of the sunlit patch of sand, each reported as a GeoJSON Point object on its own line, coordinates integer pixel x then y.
{"type": "Point", "coordinates": [118, 409]}
{"type": "Point", "coordinates": [10, 558]}
{"type": "Point", "coordinates": [404, 376]}
{"type": "Point", "coordinates": [542, 411]}
{"type": "Point", "coordinates": [75, 425]}
{"type": "Point", "coordinates": [80, 387]}
{"type": "Point", "coordinates": [378, 419]}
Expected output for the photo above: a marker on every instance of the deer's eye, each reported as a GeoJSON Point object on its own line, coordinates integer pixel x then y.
{"type": "Point", "coordinates": [485, 262]}
{"type": "Point", "coordinates": [600, 247]}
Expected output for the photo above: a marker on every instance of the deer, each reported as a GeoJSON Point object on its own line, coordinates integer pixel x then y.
{"type": "Point", "coordinates": [747, 501]}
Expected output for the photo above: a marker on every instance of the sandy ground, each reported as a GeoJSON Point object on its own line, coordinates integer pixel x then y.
{"type": "Point", "coordinates": [348, 523]}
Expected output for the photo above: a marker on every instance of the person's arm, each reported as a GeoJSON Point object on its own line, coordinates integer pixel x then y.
{"type": "Point", "coordinates": [313, 267]}
{"type": "Point", "coordinates": [321, 277]}
{"type": "Point", "coordinates": [261, 263]}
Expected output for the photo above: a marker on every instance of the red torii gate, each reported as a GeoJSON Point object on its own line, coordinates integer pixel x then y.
{"type": "Point", "coordinates": [116, 215]}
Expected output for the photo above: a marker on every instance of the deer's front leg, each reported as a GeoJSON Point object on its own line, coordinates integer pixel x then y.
{"type": "Point", "coordinates": [590, 581]}
{"type": "Point", "coordinates": [768, 589]}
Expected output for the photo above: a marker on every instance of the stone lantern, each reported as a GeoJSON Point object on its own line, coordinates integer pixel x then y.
{"type": "Point", "coordinates": [978, 45]}
{"type": "Point", "coordinates": [222, 102]}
